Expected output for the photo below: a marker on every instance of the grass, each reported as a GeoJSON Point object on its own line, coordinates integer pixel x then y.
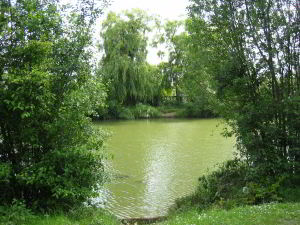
{"type": "Point", "coordinates": [176, 110]}
{"type": "Point", "coordinates": [77, 217]}
{"type": "Point", "coordinates": [267, 214]}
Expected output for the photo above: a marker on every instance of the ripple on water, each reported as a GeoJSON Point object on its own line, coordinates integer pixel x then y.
{"type": "Point", "coordinates": [159, 161]}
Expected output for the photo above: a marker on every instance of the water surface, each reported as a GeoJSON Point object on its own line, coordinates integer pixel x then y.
{"type": "Point", "coordinates": [157, 161]}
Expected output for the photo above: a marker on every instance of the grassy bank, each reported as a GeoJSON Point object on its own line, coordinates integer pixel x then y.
{"type": "Point", "coordinates": [17, 215]}
{"type": "Point", "coordinates": [144, 111]}
{"type": "Point", "coordinates": [267, 214]}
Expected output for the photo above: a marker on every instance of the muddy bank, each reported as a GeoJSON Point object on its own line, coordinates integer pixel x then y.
{"type": "Point", "coordinates": [138, 221]}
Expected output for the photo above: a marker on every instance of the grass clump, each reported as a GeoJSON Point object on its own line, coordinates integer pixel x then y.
{"type": "Point", "coordinates": [142, 111]}
{"type": "Point", "coordinates": [266, 214]}
{"type": "Point", "coordinates": [139, 111]}
{"type": "Point", "coordinates": [195, 110]}
{"type": "Point", "coordinates": [18, 214]}
{"type": "Point", "coordinates": [15, 214]}
{"type": "Point", "coordinates": [115, 110]}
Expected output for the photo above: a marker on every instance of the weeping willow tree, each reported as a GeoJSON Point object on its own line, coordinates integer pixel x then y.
{"type": "Point", "coordinates": [123, 67]}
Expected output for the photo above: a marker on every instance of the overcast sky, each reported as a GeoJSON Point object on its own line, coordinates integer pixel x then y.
{"type": "Point", "coordinates": [166, 9]}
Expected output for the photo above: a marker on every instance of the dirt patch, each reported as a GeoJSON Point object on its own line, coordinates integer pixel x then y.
{"type": "Point", "coordinates": [169, 115]}
{"type": "Point", "coordinates": [140, 221]}
{"type": "Point", "coordinates": [289, 222]}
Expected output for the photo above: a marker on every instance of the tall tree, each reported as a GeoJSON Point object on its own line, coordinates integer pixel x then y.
{"type": "Point", "coordinates": [254, 57]}
{"type": "Point", "coordinates": [173, 70]}
{"type": "Point", "coordinates": [123, 67]}
{"type": "Point", "coordinates": [49, 151]}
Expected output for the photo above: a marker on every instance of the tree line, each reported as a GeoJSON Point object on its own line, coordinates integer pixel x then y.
{"type": "Point", "coordinates": [130, 80]}
{"type": "Point", "coordinates": [252, 51]}
{"type": "Point", "coordinates": [238, 59]}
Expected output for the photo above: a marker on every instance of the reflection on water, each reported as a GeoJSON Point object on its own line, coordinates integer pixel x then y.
{"type": "Point", "coordinates": [158, 161]}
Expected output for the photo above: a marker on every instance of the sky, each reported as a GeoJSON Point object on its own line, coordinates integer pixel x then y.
{"type": "Point", "coordinates": [166, 9]}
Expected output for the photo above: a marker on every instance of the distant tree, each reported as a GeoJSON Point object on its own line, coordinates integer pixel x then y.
{"type": "Point", "coordinates": [50, 154]}
{"type": "Point", "coordinates": [123, 67]}
{"type": "Point", "coordinates": [252, 51]}
{"type": "Point", "coordinates": [173, 70]}
{"type": "Point", "coordinates": [197, 83]}
{"type": "Point", "coordinates": [184, 71]}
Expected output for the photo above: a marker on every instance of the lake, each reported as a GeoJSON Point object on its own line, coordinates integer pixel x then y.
{"type": "Point", "coordinates": [157, 161]}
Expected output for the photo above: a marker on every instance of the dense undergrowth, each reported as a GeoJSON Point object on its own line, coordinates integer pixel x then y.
{"type": "Point", "coordinates": [235, 183]}
{"type": "Point", "coordinates": [18, 214]}
{"type": "Point", "coordinates": [114, 110]}
{"type": "Point", "coordinates": [143, 111]}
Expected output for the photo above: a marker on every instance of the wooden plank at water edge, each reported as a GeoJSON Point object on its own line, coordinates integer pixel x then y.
{"type": "Point", "coordinates": [138, 221]}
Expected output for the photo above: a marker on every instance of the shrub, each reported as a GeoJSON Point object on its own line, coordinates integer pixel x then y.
{"type": "Point", "coordinates": [195, 110]}
{"type": "Point", "coordinates": [145, 111]}
{"type": "Point", "coordinates": [101, 112]}
{"type": "Point", "coordinates": [126, 114]}
{"type": "Point", "coordinates": [63, 178]}
{"type": "Point", "coordinates": [15, 214]}
{"type": "Point", "coordinates": [235, 183]}
{"type": "Point", "coordinates": [114, 109]}
{"type": "Point", "coordinates": [50, 153]}
{"type": "Point", "coordinates": [223, 187]}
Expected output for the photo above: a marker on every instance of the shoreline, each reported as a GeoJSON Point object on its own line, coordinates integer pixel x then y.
{"type": "Point", "coordinates": [141, 220]}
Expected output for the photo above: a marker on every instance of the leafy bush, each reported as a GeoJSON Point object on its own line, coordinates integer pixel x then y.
{"type": "Point", "coordinates": [195, 110]}
{"type": "Point", "coordinates": [126, 114]}
{"type": "Point", "coordinates": [145, 111]}
{"type": "Point", "coordinates": [221, 187]}
{"type": "Point", "coordinates": [60, 163]}
{"type": "Point", "coordinates": [16, 214]}
{"type": "Point", "coordinates": [235, 183]}
{"type": "Point", "coordinates": [63, 178]}
{"type": "Point", "coordinates": [5, 176]}
{"type": "Point", "coordinates": [50, 153]}
{"type": "Point", "coordinates": [114, 110]}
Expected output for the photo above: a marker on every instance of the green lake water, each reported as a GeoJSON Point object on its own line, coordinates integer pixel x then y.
{"type": "Point", "coordinates": [157, 161]}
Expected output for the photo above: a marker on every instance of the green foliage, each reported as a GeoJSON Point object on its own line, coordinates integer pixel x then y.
{"type": "Point", "coordinates": [184, 73]}
{"type": "Point", "coordinates": [129, 79]}
{"type": "Point", "coordinates": [114, 109]}
{"type": "Point", "coordinates": [248, 48]}
{"type": "Point", "coordinates": [235, 183]}
{"type": "Point", "coordinates": [16, 214]}
{"type": "Point", "coordinates": [197, 110]}
{"type": "Point", "coordinates": [50, 154]}
{"type": "Point", "coordinates": [267, 214]}
{"type": "Point", "coordinates": [92, 216]}
{"type": "Point", "coordinates": [141, 111]}
{"type": "Point", "coordinates": [126, 114]}
{"type": "Point", "coordinates": [174, 69]}
{"type": "Point", "coordinates": [223, 187]}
